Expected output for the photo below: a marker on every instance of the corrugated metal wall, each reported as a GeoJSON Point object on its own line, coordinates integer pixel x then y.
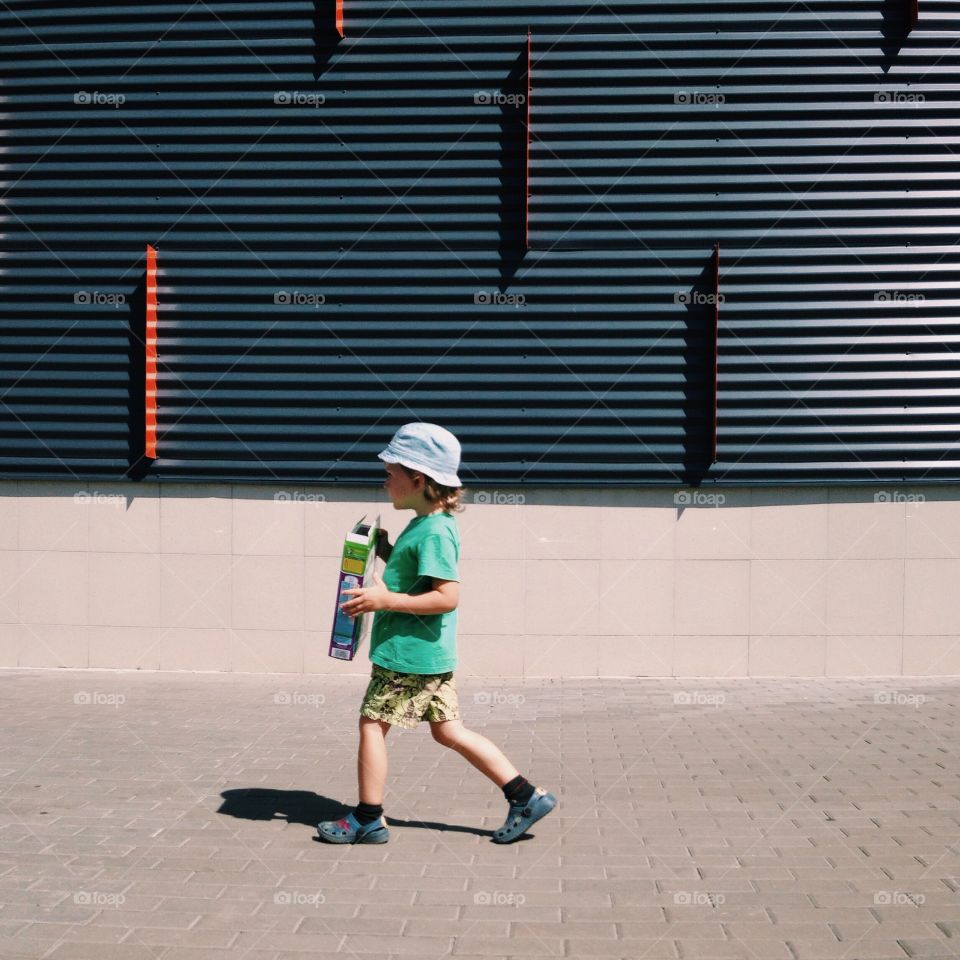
{"type": "Point", "coordinates": [340, 227]}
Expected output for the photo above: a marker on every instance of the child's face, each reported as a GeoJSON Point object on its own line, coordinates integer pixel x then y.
{"type": "Point", "coordinates": [405, 491]}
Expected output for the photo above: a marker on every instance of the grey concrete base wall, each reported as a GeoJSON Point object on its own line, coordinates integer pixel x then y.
{"type": "Point", "coordinates": [840, 581]}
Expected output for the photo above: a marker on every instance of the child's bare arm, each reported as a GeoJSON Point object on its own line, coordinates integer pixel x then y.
{"type": "Point", "coordinates": [444, 597]}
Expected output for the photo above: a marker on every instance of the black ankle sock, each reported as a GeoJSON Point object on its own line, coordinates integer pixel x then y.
{"type": "Point", "coordinates": [518, 790]}
{"type": "Point", "coordinates": [367, 813]}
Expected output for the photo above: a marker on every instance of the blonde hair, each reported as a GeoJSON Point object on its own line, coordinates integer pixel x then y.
{"type": "Point", "coordinates": [447, 497]}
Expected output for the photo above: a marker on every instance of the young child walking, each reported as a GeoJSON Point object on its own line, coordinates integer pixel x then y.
{"type": "Point", "coordinates": [413, 642]}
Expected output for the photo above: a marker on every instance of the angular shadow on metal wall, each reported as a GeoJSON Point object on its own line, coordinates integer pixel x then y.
{"type": "Point", "coordinates": [139, 465]}
{"type": "Point", "coordinates": [325, 35]}
{"type": "Point", "coordinates": [698, 387]}
{"type": "Point", "coordinates": [513, 169]}
{"type": "Point", "coordinates": [895, 27]}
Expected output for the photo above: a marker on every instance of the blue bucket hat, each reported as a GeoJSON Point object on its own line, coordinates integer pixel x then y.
{"type": "Point", "coordinates": [426, 447]}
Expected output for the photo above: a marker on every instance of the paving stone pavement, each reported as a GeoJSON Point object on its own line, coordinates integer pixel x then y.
{"type": "Point", "coordinates": [171, 816]}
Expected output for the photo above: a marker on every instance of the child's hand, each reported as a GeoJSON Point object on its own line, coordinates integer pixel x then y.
{"type": "Point", "coordinates": [366, 600]}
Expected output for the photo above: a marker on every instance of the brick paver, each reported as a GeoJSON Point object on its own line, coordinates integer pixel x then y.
{"type": "Point", "coordinates": [150, 816]}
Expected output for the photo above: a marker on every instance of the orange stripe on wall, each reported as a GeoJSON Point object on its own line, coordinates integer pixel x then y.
{"type": "Point", "coordinates": [340, 17]}
{"type": "Point", "coordinates": [150, 344]}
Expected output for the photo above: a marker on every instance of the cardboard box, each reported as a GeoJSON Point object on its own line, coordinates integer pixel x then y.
{"type": "Point", "coordinates": [356, 568]}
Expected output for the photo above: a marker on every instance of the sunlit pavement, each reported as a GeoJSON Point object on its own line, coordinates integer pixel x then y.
{"type": "Point", "coordinates": [172, 815]}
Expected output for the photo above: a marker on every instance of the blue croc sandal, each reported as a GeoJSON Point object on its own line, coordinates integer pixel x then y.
{"type": "Point", "coordinates": [523, 816]}
{"type": "Point", "coordinates": [349, 830]}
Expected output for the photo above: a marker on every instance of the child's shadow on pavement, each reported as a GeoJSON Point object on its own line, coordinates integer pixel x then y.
{"type": "Point", "coordinates": [303, 806]}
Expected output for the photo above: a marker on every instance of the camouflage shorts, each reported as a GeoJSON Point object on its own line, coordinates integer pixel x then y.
{"type": "Point", "coordinates": [404, 699]}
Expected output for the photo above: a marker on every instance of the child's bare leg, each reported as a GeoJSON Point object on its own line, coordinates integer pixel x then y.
{"type": "Point", "coordinates": [372, 760]}
{"type": "Point", "coordinates": [481, 752]}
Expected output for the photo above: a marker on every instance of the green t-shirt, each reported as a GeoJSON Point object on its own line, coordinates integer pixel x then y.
{"type": "Point", "coordinates": [428, 547]}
